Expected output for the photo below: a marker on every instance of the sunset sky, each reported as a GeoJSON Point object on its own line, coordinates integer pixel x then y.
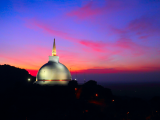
{"type": "Point", "coordinates": [92, 36]}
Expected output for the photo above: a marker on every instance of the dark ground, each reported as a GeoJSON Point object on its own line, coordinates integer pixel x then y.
{"type": "Point", "coordinates": [21, 100]}
{"type": "Point", "coordinates": [142, 90]}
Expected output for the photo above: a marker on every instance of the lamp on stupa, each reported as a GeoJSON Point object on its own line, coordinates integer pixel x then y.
{"type": "Point", "coordinates": [53, 72]}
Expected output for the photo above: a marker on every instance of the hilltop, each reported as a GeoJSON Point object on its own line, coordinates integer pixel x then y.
{"type": "Point", "coordinates": [11, 77]}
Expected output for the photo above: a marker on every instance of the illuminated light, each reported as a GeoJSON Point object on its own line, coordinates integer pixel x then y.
{"type": "Point", "coordinates": [127, 112]}
{"type": "Point", "coordinates": [75, 88]}
{"type": "Point", "coordinates": [156, 111]}
{"type": "Point", "coordinates": [53, 80]}
{"type": "Point", "coordinates": [54, 49]}
{"type": "Point", "coordinates": [112, 100]}
{"type": "Point", "coordinates": [29, 79]}
{"type": "Point", "coordinates": [96, 95]}
{"type": "Point", "coordinates": [75, 79]}
{"type": "Point", "coordinates": [86, 110]}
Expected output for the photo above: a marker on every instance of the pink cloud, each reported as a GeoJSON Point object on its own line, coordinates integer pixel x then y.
{"type": "Point", "coordinates": [34, 24]}
{"type": "Point", "coordinates": [114, 70]}
{"type": "Point", "coordinates": [91, 9]}
{"type": "Point", "coordinates": [144, 26]}
{"type": "Point", "coordinates": [151, 68]}
{"type": "Point", "coordinates": [143, 37]}
{"type": "Point", "coordinates": [118, 47]}
{"type": "Point", "coordinates": [96, 46]}
{"type": "Point", "coordinates": [128, 44]}
{"type": "Point", "coordinates": [105, 70]}
{"type": "Point", "coordinates": [85, 11]}
{"type": "Point", "coordinates": [91, 43]}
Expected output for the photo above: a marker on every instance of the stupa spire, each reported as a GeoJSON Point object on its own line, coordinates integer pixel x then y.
{"type": "Point", "coordinates": [54, 49]}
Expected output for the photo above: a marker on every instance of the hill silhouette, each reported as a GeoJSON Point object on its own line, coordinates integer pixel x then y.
{"type": "Point", "coordinates": [23, 100]}
{"type": "Point", "coordinates": [13, 77]}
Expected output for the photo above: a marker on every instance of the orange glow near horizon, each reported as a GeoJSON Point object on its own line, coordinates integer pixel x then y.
{"type": "Point", "coordinates": [98, 44]}
{"type": "Point", "coordinates": [102, 71]}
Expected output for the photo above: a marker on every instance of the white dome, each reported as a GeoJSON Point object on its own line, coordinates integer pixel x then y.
{"type": "Point", "coordinates": [53, 73]}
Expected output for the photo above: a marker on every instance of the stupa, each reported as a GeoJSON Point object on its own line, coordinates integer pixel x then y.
{"type": "Point", "coordinates": [53, 72]}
